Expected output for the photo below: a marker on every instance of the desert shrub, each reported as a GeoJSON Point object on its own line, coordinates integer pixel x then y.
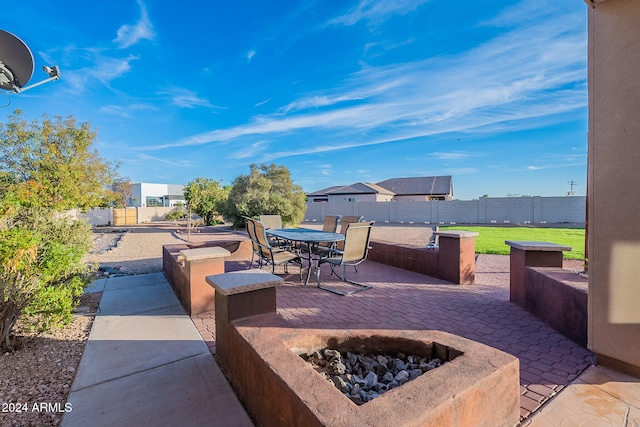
{"type": "Point", "coordinates": [176, 214]}
{"type": "Point", "coordinates": [43, 269]}
{"type": "Point", "coordinates": [205, 197]}
{"type": "Point", "coordinates": [267, 190]}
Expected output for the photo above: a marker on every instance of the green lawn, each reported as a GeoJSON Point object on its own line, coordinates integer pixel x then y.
{"type": "Point", "coordinates": [491, 239]}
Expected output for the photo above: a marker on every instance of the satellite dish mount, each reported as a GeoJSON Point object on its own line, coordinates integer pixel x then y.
{"type": "Point", "coordinates": [16, 65]}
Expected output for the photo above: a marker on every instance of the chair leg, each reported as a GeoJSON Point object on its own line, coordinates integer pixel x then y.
{"type": "Point", "coordinates": [360, 287]}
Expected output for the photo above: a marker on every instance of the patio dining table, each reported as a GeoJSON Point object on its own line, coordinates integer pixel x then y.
{"type": "Point", "coordinates": [306, 238]}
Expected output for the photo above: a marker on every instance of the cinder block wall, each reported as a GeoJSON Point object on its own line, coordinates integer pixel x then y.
{"type": "Point", "coordinates": [494, 210]}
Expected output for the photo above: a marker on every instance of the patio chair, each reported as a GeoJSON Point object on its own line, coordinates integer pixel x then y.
{"type": "Point", "coordinates": [271, 221]}
{"type": "Point", "coordinates": [323, 249]}
{"type": "Point", "coordinates": [255, 246]}
{"type": "Point", "coordinates": [272, 254]}
{"type": "Point", "coordinates": [331, 223]}
{"type": "Point", "coordinates": [356, 249]}
{"type": "Point", "coordinates": [344, 224]}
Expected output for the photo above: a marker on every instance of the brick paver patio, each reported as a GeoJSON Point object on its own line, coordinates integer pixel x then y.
{"type": "Point", "coordinates": [400, 298]}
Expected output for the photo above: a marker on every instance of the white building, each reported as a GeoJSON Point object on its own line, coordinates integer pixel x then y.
{"type": "Point", "coordinates": [145, 195]}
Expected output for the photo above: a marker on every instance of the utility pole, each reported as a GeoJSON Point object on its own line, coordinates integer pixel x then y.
{"type": "Point", "coordinates": [571, 183]}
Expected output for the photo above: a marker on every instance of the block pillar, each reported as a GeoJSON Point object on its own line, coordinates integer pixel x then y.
{"type": "Point", "coordinates": [240, 294]}
{"type": "Point", "coordinates": [530, 254]}
{"type": "Point", "coordinates": [457, 256]}
{"type": "Point", "coordinates": [198, 296]}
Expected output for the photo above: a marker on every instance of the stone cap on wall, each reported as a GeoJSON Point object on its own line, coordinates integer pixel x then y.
{"type": "Point", "coordinates": [525, 245]}
{"type": "Point", "coordinates": [204, 253]}
{"type": "Point", "coordinates": [457, 234]}
{"type": "Point", "coordinates": [237, 282]}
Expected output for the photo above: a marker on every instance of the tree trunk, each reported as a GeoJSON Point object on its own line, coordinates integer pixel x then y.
{"type": "Point", "coordinates": [8, 318]}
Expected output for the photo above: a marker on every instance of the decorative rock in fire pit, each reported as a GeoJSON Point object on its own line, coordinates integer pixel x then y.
{"type": "Point", "coordinates": [363, 377]}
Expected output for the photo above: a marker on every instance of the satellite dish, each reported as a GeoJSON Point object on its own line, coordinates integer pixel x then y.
{"type": "Point", "coordinates": [16, 64]}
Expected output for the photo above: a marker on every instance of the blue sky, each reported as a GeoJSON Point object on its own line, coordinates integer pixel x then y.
{"type": "Point", "coordinates": [493, 93]}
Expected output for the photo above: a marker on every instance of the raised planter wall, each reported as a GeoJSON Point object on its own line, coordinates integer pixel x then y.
{"type": "Point", "coordinates": [559, 298]}
{"type": "Point", "coordinates": [454, 260]}
{"type": "Point", "coordinates": [540, 285]}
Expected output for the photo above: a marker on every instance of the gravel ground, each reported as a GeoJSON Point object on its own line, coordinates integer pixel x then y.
{"type": "Point", "coordinates": [133, 250]}
{"type": "Point", "coordinates": [35, 381]}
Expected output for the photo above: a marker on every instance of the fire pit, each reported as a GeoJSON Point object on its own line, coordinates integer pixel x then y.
{"type": "Point", "coordinates": [478, 385]}
{"type": "Point", "coordinates": [260, 354]}
{"type": "Point", "coordinates": [364, 376]}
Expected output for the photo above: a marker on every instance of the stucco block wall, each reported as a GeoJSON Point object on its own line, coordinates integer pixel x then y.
{"type": "Point", "coordinates": [613, 182]}
{"type": "Point", "coordinates": [97, 217]}
{"type": "Point", "coordinates": [496, 210]}
{"type": "Point", "coordinates": [153, 214]}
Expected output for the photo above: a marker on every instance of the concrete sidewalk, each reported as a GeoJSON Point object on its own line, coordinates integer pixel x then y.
{"type": "Point", "coordinates": [146, 364]}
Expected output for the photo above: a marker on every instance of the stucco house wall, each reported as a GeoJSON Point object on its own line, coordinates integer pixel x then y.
{"type": "Point", "coordinates": [614, 182]}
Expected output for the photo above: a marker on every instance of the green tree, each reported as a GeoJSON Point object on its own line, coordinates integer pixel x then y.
{"type": "Point", "coordinates": [59, 155]}
{"type": "Point", "coordinates": [267, 190]}
{"type": "Point", "coordinates": [206, 198]}
{"type": "Point", "coordinates": [43, 269]}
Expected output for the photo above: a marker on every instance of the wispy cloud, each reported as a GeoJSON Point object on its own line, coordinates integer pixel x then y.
{"type": "Point", "coordinates": [553, 166]}
{"type": "Point", "coordinates": [513, 81]}
{"type": "Point", "coordinates": [254, 149]}
{"type": "Point", "coordinates": [101, 68]}
{"type": "Point", "coordinates": [325, 169]}
{"type": "Point", "coordinates": [261, 103]}
{"type": "Point", "coordinates": [178, 163]}
{"type": "Point", "coordinates": [375, 11]}
{"type": "Point", "coordinates": [316, 102]}
{"type": "Point", "coordinates": [460, 171]}
{"type": "Point", "coordinates": [128, 35]}
{"type": "Point", "coordinates": [453, 155]}
{"type": "Point", "coordinates": [185, 98]}
{"type": "Point", "coordinates": [125, 110]}
{"type": "Point", "coordinates": [251, 54]}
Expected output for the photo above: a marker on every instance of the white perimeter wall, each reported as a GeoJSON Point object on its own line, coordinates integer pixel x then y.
{"type": "Point", "coordinates": [490, 210]}
{"type": "Point", "coordinates": [104, 216]}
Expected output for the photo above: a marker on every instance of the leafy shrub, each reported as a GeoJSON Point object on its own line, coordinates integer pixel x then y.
{"type": "Point", "coordinates": [206, 198]}
{"type": "Point", "coordinates": [267, 190]}
{"type": "Point", "coordinates": [42, 267]}
{"type": "Point", "coordinates": [176, 214]}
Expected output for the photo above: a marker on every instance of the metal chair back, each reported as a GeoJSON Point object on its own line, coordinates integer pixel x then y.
{"type": "Point", "coordinates": [344, 224]}
{"type": "Point", "coordinates": [271, 221]}
{"type": "Point", "coordinates": [356, 242]}
{"type": "Point", "coordinates": [331, 223]}
{"type": "Point", "coordinates": [251, 231]}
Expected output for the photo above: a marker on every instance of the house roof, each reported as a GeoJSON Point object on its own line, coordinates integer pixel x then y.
{"type": "Point", "coordinates": [424, 185]}
{"type": "Point", "coordinates": [360, 188]}
{"type": "Point", "coordinates": [428, 185]}
{"type": "Point", "coordinates": [324, 191]}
